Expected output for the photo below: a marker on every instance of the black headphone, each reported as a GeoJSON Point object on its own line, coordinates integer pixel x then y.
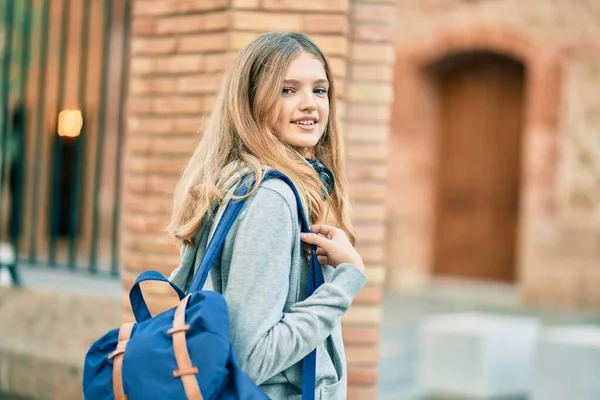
{"type": "Point", "coordinates": [324, 174]}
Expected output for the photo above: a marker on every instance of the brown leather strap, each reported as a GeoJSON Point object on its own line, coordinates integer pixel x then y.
{"type": "Point", "coordinates": [117, 355]}
{"type": "Point", "coordinates": [185, 370]}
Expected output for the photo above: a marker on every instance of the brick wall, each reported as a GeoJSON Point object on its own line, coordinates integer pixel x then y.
{"type": "Point", "coordinates": [369, 96]}
{"type": "Point", "coordinates": [179, 51]}
{"type": "Point", "coordinates": [558, 243]}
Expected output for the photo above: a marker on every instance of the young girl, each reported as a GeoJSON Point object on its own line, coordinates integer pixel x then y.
{"type": "Point", "coordinates": [275, 110]}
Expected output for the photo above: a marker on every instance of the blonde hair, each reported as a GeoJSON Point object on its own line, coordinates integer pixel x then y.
{"type": "Point", "coordinates": [238, 131]}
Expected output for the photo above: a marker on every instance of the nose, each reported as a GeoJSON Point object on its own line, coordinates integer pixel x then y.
{"type": "Point", "coordinates": [308, 101]}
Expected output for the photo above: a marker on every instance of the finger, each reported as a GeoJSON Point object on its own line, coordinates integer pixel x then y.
{"type": "Point", "coordinates": [322, 260]}
{"type": "Point", "coordinates": [313, 238]}
{"type": "Point", "coordinates": [324, 229]}
{"type": "Point", "coordinates": [321, 251]}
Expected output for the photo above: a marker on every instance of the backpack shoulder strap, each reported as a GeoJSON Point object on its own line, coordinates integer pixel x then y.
{"type": "Point", "coordinates": [215, 245]}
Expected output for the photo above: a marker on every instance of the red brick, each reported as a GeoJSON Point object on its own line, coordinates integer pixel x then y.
{"type": "Point", "coordinates": [362, 355]}
{"type": "Point", "coordinates": [368, 172]}
{"type": "Point", "coordinates": [362, 375]}
{"type": "Point", "coordinates": [141, 66]}
{"type": "Point", "coordinates": [360, 335]}
{"type": "Point", "coordinates": [180, 64]}
{"type": "Point", "coordinates": [360, 392]}
{"type": "Point", "coordinates": [373, 33]}
{"type": "Point", "coordinates": [376, 52]}
{"type": "Point", "coordinates": [216, 62]}
{"type": "Point", "coordinates": [373, 93]}
{"type": "Point", "coordinates": [153, 7]}
{"type": "Point", "coordinates": [371, 253]}
{"type": "Point", "coordinates": [154, 184]}
{"type": "Point", "coordinates": [152, 85]}
{"type": "Point", "coordinates": [372, 72]}
{"type": "Point", "coordinates": [139, 105]}
{"type": "Point", "coordinates": [209, 42]}
{"type": "Point", "coordinates": [338, 66]}
{"type": "Point", "coordinates": [377, 13]}
{"type": "Point", "coordinates": [153, 46]}
{"type": "Point", "coordinates": [370, 113]}
{"type": "Point", "coordinates": [258, 21]}
{"type": "Point", "coordinates": [171, 145]}
{"type": "Point", "coordinates": [367, 152]}
{"type": "Point", "coordinates": [150, 125]}
{"type": "Point", "coordinates": [166, 7]}
{"type": "Point", "coordinates": [202, 5]}
{"type": "Point", "coordinates": [192, 125]}
{"type": "Point", "coordinates": [369, 212]}
{"type": "Point", "coordinates": [369, 295]}
{"type": "Point", "coordinates": [324, 23]}
{"type": "Point", "coordinates": [144, 223]}
{"type": "Point", "coordinates": [192, 23]}
{"type": "Point", "coordinates": [178, 105]}
{"type": "Point", "coordinates": [244, 4]}
{"type": "Point", "coordinates": [201, 83]}
{"type": "Point", "coordinates": [370, 233]}
{"type": "Point", "coordinates": [240, 40]}
{"type": "Point", "coordinates": [367, 191]}
{"type": "Point", "coordinates": [360, 132]}
{"type": "Point", "coordinates": [333, 45]}
{"type": "Point", "coordinates": [340, 88]}
{"type": "Point", "coordinates": [143, 26]}
{"type": "Point", "coordinates": [142, 261]}
{"type": "Point", "coordinates": [153, 242]}
{"type": "Point", "coordinates": [142, 163]}
{"type": "Point", "coordinates": [140, 203]}
{"type": "Point", "coordinates": [306, 5]}
{"type": "Point", "coordinates": [173, 64]}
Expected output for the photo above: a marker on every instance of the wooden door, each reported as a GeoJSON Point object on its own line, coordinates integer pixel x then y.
{"type": "Point", "coordinates": [479, 168]}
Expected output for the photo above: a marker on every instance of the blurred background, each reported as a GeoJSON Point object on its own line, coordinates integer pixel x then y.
{"type": "Point", "coordinates": [472, 133]}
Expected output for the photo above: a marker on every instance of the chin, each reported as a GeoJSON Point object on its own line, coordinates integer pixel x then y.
{"type": "Point", "coordinates": [303, 139]}
{"type": "Point", "coordinates": [302, 143]}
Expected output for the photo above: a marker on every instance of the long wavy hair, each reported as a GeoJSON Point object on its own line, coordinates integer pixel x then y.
{"type": "Point", "coordinates": [238, 133]}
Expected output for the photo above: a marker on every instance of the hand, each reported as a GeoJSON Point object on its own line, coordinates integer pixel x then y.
{"type": "Point", "coordinates": [333, 246]}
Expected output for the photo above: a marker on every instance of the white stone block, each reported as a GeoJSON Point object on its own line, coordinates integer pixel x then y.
{"type": "Point", "coordinates": [476, 355]}
{"type": "Point", "coordinates": [567, 364]}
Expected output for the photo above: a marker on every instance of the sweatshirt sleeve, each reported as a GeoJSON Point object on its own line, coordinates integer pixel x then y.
{"type": "Point", "coordinates": [268, 338]}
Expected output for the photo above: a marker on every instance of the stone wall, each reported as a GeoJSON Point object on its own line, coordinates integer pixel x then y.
{"type": "Point", "coordinates": [559, 243]}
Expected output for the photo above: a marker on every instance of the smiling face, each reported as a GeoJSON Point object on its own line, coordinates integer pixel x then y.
{"type": "Point", "coordinates": [304, 103]}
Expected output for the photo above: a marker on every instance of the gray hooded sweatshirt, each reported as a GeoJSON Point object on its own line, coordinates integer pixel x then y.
{"type": "Point", "coordinates": [262, 272]}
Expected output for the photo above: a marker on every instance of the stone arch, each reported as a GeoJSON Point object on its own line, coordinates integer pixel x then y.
{"type": "Point", "coordinates": [413, 134]}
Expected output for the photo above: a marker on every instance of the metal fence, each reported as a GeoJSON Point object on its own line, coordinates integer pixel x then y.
{"type": "Point", "coordinates": [62, 88]}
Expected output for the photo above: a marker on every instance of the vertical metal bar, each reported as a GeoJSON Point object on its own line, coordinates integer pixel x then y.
{"type": "Point", "coordinates": [4, 101]}
{"type": "Point", "coordinates": [4, 104]}
{"type": "Point", "coordinates": [44, 34]}
{"type": "Point", "coordinates": [118, 173]}
{"type": "Point", "coordinates": [101, 137]}
{"type": "Point", "coordinates": [78, 165]}
{"type": "Point", "coordinates": [22, 163]}
{"type": "Point", "coordinates": [58, 164]}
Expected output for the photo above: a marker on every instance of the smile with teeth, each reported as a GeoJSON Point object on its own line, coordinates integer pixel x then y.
{"type": "Point", "coordinates": [310, 122]}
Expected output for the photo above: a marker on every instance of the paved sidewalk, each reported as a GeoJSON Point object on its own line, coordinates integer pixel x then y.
{"type": "Point", "coordinates": [404, 310]}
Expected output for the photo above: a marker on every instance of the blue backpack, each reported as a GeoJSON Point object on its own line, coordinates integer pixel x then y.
{"type": "Point", "coordinates": [184, 352]}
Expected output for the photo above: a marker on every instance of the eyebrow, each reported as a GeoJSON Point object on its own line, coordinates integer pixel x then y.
{"type": "Point", "coordinates": [318, 81]}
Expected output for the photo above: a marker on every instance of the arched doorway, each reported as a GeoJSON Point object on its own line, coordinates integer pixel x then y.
{"type": "Point", "coordinates": [480, 125]}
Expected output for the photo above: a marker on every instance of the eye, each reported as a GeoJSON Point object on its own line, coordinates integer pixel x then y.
{"type": "Point", "coordinates": [320, 91]}
{"type": "Point", "coordinates": [287, 90]}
